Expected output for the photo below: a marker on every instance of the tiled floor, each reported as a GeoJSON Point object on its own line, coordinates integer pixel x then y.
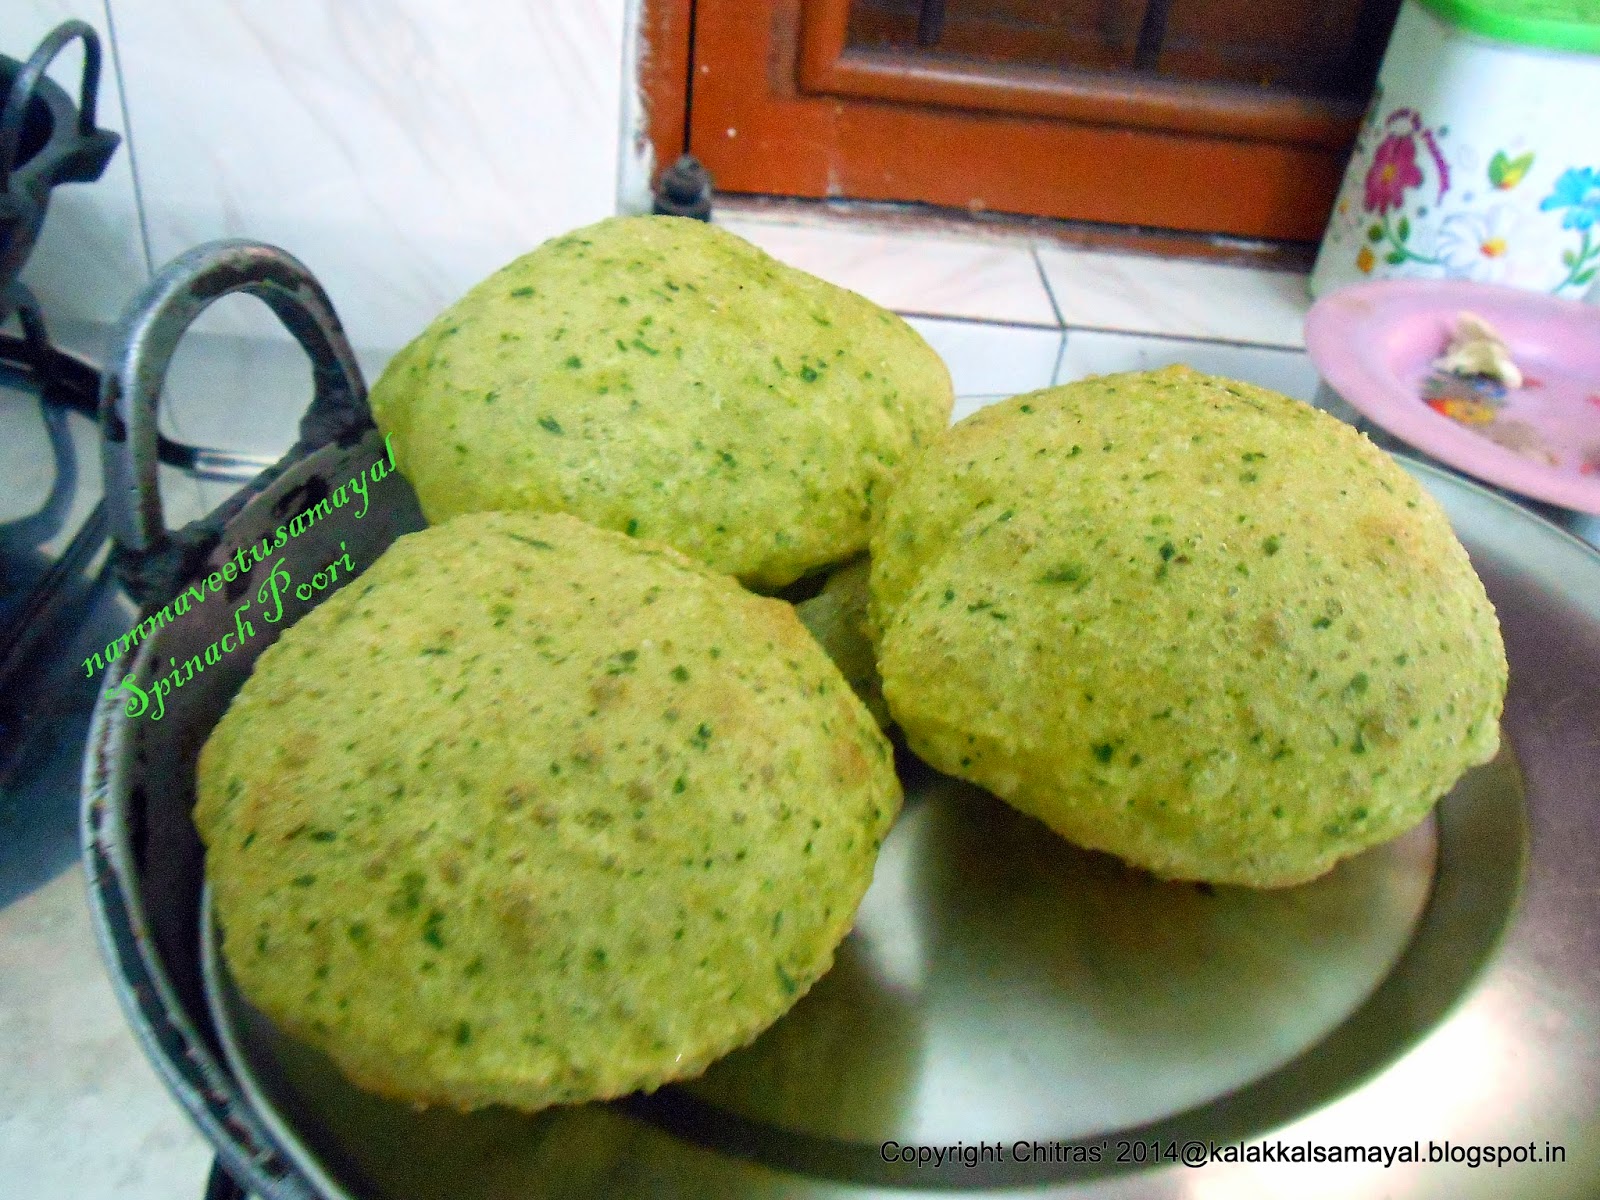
{"type": "Point", "coordinates": [82, 1115]}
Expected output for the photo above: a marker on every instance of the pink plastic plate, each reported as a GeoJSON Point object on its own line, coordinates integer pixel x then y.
{"type": "Point", "coordinates": [1374, 343]}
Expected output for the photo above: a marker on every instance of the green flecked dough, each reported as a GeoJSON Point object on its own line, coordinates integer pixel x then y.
{"type": "Point", "coordinates": [534, 813]}
{"type": "Point", "coordinates": [1188, 621]}
{"type": "Point", "coordinates": [666, 379]}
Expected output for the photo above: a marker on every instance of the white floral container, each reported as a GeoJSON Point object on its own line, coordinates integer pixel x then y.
{"type": "Point", "coordinates": [1479, 157]}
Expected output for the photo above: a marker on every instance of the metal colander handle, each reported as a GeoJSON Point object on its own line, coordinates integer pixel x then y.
{"type": "Point", "coordinates": [150, 559]}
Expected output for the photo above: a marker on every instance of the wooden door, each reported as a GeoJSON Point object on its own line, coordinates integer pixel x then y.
{"type": "Point", "coordinates": [1224, 116]}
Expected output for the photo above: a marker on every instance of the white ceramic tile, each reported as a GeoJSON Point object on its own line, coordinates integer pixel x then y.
{"type": "Point", "coordinates": [1089, 352]}
{"type": "Point", "coordinates": [1178, 298]}
{"type": "Point", "coordinates": [83, 1115]}
{"type": "Point", "coordinates": [245, 395]}
{"type": "Point", "coordinates": [402, 150]}
{"type": "Point", "coordinates": [936, 275]}
{"type": "Point", "coordinates": [235, 393]}
{"type": "Point", "coordinates": [992, 360]}
{"type": "Point", "coordinates": [89, 260]}
{"type": "Point", "coordinates": [182, 497]}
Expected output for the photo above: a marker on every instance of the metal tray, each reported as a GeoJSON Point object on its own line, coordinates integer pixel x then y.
{"type": "Point", "coordinates": [1059, 1025]}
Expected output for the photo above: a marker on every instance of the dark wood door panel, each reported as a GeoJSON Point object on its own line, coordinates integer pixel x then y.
{"type": "Point", "coordinates": [1314, 47]}
{"type": "Point", "coordinates": [757, 132]}
{"type": "Point", "coordinates": [811, 98]}
{"type": "Point", "coordinates": [1085, 34]}
{"type": "Point", "coordinates": [831, 65]}
{"type": "Point", "coordinates": [1318, 47]}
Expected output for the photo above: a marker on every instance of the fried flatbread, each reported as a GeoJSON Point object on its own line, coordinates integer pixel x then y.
{"type": "Point", "coordinates": [533, 812]}
{"type": "Point", "coordinates": [1191, 622]}
{"type": "Point", "coordinates": [664, 378]}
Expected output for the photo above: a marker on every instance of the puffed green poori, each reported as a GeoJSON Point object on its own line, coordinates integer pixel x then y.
{"type": "Point", "coordinates": [533, 812]}
{"type": "Point", "coordinates": [665, 378]}
{"type": "Point", "coordinates": [837, 616]}
{"type": "Point", "coordinates": [1188, 621]}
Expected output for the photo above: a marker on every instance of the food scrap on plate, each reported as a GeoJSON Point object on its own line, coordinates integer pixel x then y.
{"type": "Point", "coordinates": [1476, 348]}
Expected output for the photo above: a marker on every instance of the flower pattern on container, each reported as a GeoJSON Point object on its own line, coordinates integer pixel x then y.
{"type": "Point", "coordinates": [1578, 192]}
{"type": "Point", "coordinates": [1407, 209]}
{"type": "Point", "coordinates": [1506, 172]}
{"type": "Point", "coordinates": [1474, 245]}
{"type": "Point", "coordinates": [1394, 172]}
{"type": "Point", "coordinates": [1576, 196]}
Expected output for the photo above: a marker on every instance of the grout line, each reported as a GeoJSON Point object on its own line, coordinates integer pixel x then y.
{"type": "Point", "coordinates": [997, 322]}
{"type": "Point", "coordinates": [1116, 330]}
{"type": "Point", "coordinates": [1061, 357]}
{"type": "Point", "coordinates": [1038, 265]}
{"type": "Point", "coordinates": [1189, 337]}
{"type": "Point", "coordinates": [127, 139]}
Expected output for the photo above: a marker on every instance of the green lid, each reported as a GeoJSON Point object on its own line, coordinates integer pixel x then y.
{"type": "Point", "coordinates": [1553, 24]}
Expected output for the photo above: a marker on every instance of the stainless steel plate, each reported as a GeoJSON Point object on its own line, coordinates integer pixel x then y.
{"type": "Point", "coordinates": [1058, 1025]}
